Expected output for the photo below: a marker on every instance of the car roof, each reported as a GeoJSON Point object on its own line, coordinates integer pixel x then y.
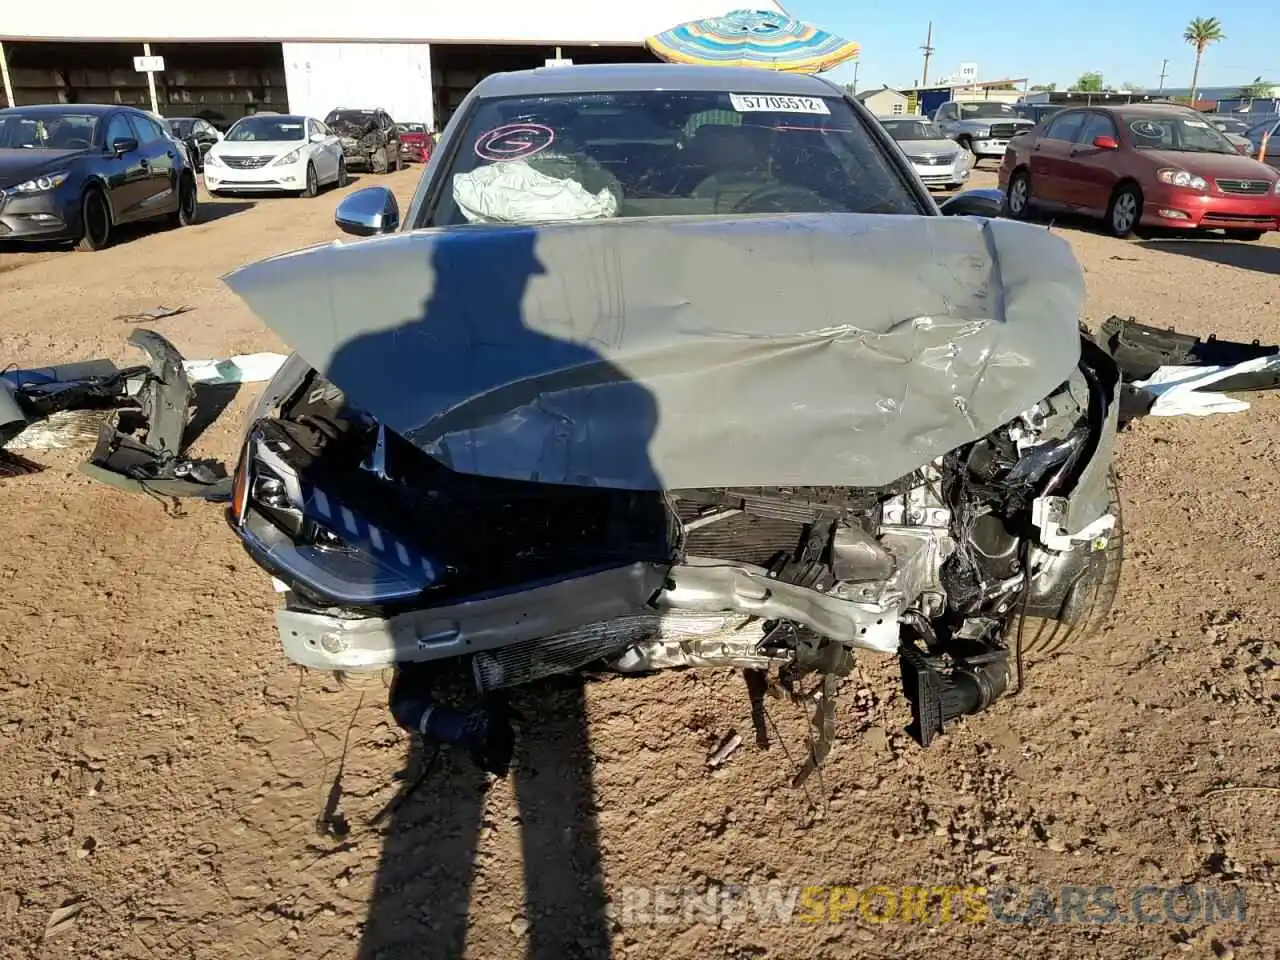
{"type": "Point", "coordinates": [625, 77]}
{"type": "Point", "coordinates": [92, 109]}
{"type": "Point", "coordinates": [900, 116]}
{"type": "Point", "coordinates": [1141, 109]}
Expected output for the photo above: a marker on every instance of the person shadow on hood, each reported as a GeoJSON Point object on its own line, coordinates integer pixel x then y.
{"type": "Point", "coordinates": [500, 376]}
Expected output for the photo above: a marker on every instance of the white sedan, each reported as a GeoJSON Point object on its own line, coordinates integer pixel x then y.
{"type": "Point", "coordinates": [275, 152]}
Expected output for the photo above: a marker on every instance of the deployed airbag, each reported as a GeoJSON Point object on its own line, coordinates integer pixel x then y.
{"type": "Point", "coordinates": [649, 353]}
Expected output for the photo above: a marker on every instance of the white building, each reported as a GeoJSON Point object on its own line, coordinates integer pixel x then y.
{"type": "Point", "coordinates": [225, 58]}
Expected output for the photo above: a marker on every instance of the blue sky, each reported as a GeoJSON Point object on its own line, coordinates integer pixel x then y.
{"type": "Point", "coordinates": [1052, 42]}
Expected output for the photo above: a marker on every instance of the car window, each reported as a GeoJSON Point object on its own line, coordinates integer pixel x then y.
{"type": "Point", "coordinates": [1065, 126]}
{"type": "Point", "coordinates": [536, 159]}
{"type": "Point", "coordinates": [1096, 125]}
{"type": "Point", "coordinates": [321, 129]}
{"type": "Point", "coordinates": [269, 128]}
{"type": "Point", "coordinates": [986, 110]}
{"type": "Point", "coordinates": [916, 128]}
{"type": "Point", "coordinates": [148, 130]}
{"type": "Point", "coordinates": [947, 112]}
{"type": "Point", "coordinates": [45, 130]}
{"type": "Point", "coordinates": [119, 129]}
{"type": "Point", "coordinates": [1182, 133]}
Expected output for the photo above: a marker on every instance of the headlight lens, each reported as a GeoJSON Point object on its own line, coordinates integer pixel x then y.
{"type": "Point", "coordinates": [290, 157]}
{"type": "Point", "coordinates": [1182, 178]}
{"type": "Point", "coordinates": [43, 184]}
{"type": "Point", "coordinates": [211, 159]}
{"type": "Point", "coordinates": [982, 132]}
{"type": "Point", "coordinates": [1277, 188]}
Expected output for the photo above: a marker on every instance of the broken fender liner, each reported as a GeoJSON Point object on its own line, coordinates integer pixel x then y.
{"type": "Point", "coordinates": [142, 450]}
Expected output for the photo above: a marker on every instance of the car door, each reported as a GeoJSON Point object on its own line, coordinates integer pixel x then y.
{"type": "Point", "coordinates": [392, 134]}
{"type": "Point", "coordinates": [324, 150]}
{"type": "Point", "coordinates": [946, 116]}
{"type": "Point", "coordinates": [1089, 171]}
{"type": "Point", "coordinates": [160, 155]}
{"type": "Point", "coordinates": [1049, 181]}
{"type": "Point", "coordinates": [127, 173]}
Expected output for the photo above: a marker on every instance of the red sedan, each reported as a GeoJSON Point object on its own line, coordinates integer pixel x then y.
{"type": "Point", "coordinates": [415, 142]}
{"type": "Point", "coordinates": [1152, 165]}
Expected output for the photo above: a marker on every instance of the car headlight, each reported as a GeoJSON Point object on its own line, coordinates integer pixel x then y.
{"type": "Point", "coordinates": [982, 132]}
{"type": "Point", "coordinates": [1277, 191]}
{"type": "Point", "coordinates": [211, 159]}
{"type": "Point", "coordinates": [50, 181]}
{"type": "Point", "coordinates": [1182, 178]}
{"type": "Point", "coordinates": [290, 157]}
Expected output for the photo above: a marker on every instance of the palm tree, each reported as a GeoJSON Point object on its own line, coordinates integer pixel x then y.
{"type": "Point", "coordinates": [1201, 32]}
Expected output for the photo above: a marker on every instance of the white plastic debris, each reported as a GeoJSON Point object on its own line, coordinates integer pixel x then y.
{"type": "Point", "coordinates": [514, 192]}
{"type": "Point", "coordinates": [243, 368]}
{"type": "Point", "coordinates": [1181, 391]}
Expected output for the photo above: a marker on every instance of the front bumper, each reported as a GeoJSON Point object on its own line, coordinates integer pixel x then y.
{"type": "Point", "coordinates": [1188, 210]}
{"type": "Point", "coordinates": [413, 151]}
{"type": "Point", "coordinates": [989, 147]}
{"type": "Point", "coordinates": [951, 174]}
{"type": "Point", "coordinates": [51, 215]}
{"type": "Point", "coordinates": [268, 179]}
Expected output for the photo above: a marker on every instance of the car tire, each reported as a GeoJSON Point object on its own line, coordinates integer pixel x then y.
{"type": "Point", "coordinates": [344, 178]}
{"type": "Point", "coordinates": [1124, 211]}
{"type": "Point", "coordinates": [95, 221]}
{"type": "Point", "coordinates": [1247, 236]}
{"type": "Point", "coordinates": [1090, 598]}
{"type": "Point", "coordinates": [313, 182]}
{"type": "Point", "coordinates": [399, 160]}
{"type": "Point", "coordinates": [1017, 196]}
{"type": "Point", "coordinates": [188, 204]}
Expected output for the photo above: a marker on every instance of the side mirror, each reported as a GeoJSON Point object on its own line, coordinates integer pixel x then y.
{"type": "Point", "coordinates": [1106, 143]}
{"type": "Point", "coordinates": [973, 203]}
{"type": "Point", "coordinates": [317, 137]}
{"type": "Point", "coordinates": [123, 145]}
{"type": "Point", "coordinates": [368, 212]}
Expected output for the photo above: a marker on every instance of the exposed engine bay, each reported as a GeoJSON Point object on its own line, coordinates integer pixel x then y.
{"type": "Point", "coordinates": [387, 557]}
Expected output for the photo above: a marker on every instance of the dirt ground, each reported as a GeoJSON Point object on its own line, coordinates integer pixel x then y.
{"type": "Point", "coordinates": [170, 788]}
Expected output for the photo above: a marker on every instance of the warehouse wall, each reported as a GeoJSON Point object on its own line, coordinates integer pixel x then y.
{"type": "Point", "coordinates": [394, 76]}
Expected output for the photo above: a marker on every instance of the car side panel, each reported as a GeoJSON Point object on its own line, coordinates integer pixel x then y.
{"type": "Point", "coordinates": [126, 176]}
{"type": "Point", "coordinates": [1093, 172]}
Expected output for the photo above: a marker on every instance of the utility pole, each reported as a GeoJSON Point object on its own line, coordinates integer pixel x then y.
{"type": "Point", "coordinates": [1164, 72]}
{"type": "Point", "coordinates": [928, 52]}
{"type": "Point", "coordinates": [855, 77]}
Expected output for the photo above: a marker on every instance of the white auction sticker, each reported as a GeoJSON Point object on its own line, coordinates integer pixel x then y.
{"type": "Point", "coordinates": [769, 103]}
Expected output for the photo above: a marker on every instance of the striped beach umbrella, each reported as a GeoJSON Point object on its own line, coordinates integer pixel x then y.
{"type": "Point", "coordinates": [753, 38]}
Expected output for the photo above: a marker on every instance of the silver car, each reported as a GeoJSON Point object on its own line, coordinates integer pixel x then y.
{"type": "Point", "coordinates": [936, 158]}
{"type": "Point", "coordinates": [677, 366]}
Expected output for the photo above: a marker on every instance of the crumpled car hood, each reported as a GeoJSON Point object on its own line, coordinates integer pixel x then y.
{"type": "Point", "coordinates": [679, 352]}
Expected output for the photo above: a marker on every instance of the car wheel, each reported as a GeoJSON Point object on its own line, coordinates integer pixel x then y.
{"type": "Point", "coordinates": [188, 204]}
{"type": "Point", "coordinates": [1090, 598]}
{"type": "Point", "coordinates": [95, 221]}
{"type": "Point", "coordinates": [1017, 196]}
{"type": "Point", "coordinates": [399, 160]}
{"type": "Point", "coordinates": [313, 182]}
{"type": "Point", "coordinates": [343, 178]}
{"type": "Point", "coordinates": [1248, 236]}
{"type": "Point", "coordinates": [1124, 211]}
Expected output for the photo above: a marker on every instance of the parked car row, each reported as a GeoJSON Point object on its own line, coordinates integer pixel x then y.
{"type": "Point", "coordinates": [76, 172]}
{"type": "Point", "coordinates": [1153, 165]}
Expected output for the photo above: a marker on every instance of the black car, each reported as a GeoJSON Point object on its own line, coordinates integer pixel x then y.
{"type": "Point", "coordinates": [75, 171]}
{"type": "Point", "coordinates": [198, 134]}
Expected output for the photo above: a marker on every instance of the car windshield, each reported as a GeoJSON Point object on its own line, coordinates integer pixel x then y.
{"type": "Point", "coordinates": [181, 128]}
{"type": "Point", "coordinates": [1179, 134]}
{"type": "Point", "coordinates": [655, 153]}
{"type": "Point", "coordinates": [413, 128]}
{"type": "Point", "coordinates": [44, 130]}
{"type": "Point", "coordinates": [1231, 125]}
{"type": "Point", "coordinates": [912, 130]}
{"type": "Point", "coordinates": [267, 128]}
{"type": "Point", "coordinates": [982, 110]}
